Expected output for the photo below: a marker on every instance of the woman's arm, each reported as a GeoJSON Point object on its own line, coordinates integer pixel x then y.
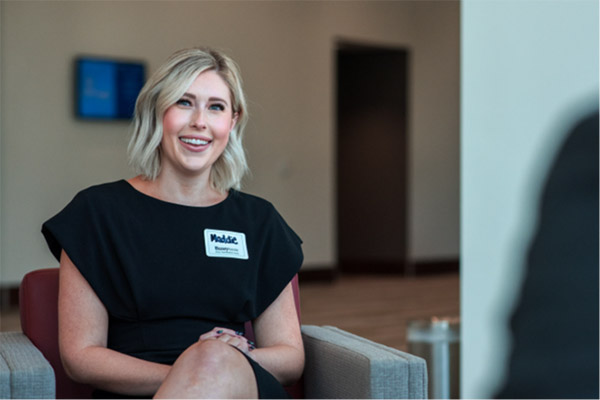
{"type": "Point", "coordinates": [277, 332]}
{"type": "Point", "coordinates": [279, 341]}
{"type": "Point", "coordinates": [83, 331]}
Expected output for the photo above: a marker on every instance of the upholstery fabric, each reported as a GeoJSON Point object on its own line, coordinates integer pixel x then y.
{"type": "Point", "coordinates": [4, 376]}
{"type": "Point", "coordinates": [412, 369]}
{"type": "Point", "coordinates": [343, 365]}
{"type": "Point", "coordinates": [31, 376]}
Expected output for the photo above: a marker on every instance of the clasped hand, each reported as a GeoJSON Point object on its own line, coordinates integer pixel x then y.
{"type": "Point", "coordinates": [232, 338]}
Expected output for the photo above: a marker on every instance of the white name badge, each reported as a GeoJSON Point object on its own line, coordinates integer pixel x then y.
{"type": "Point", "coordinates": [225, 244]}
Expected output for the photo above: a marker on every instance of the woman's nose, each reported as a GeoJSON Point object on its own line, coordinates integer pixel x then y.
{"type": "Point", "coordinates": [198, 120]}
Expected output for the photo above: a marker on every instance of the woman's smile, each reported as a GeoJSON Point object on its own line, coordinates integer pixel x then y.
{"type": "Point", "coordinates": [195, 143]}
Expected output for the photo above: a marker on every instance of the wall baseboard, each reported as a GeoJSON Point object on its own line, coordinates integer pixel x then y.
{"type": "Point", "coordinates": [440, 266]}
{"type": "Point", "coordinates": [9, 298]}
{"type": "Point", "coordinates": [318, 274]}
{"type": "Point", "coordinates": [415, 268]}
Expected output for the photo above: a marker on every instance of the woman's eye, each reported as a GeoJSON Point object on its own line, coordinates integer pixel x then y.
{"type": "Point", "coordinates": [217, 107]}
{"type": "Point", "coordinates": [184, 102]}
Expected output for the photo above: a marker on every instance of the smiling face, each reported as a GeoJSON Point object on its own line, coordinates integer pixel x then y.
{"type": "Point", "coordinates": [196, 128]}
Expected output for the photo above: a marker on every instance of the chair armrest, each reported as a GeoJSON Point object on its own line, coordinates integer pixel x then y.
{"type": "Point", "coordinates": [30, 374]}
{"type": "Point", "coordinates": [4, 378]}
{"type": "Point", "coordinates": [342, 365]}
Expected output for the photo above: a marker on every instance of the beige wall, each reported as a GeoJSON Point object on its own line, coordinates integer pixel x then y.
{"type": "Point", "coordinates": [286, 51]}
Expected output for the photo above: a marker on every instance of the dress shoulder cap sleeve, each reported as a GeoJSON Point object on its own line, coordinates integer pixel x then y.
{"type": "Point", "coordinates": [280, 259]}
{"type": "Point", "coordinates": [85, 230]}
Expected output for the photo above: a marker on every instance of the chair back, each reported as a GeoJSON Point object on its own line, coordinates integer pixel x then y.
{"type": "Point", "coordinates": [38, 303]}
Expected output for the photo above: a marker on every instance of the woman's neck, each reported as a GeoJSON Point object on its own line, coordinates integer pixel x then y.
{"type": "Point", "coordinates": [180, 190]}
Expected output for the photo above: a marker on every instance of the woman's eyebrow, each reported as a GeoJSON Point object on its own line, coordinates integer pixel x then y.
{"type": "Point", "coordinates": [218, 99]}
{"type": "Point", "coordinates": [193, 96]}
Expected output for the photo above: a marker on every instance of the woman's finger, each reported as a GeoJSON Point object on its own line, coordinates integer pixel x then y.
{"type": "Point", "coordinates": [231, 337]}
{"type": "Point", "coordinates": [236, 341]}
{"type": "Point", "coordinates": [231, 340]}
{"type": "Point", "coordinates": [218, 331]}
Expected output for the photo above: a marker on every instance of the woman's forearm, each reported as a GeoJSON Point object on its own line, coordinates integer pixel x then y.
{"type": "Point", "coordinates": [112, 371]}
{"type": "Point", "coordinates": [284, 362]}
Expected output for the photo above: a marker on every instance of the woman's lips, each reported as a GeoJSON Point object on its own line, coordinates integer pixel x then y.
{"type": "Point", "coordinates": [194, 143]}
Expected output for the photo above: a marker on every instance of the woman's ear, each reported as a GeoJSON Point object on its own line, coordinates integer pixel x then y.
{"type": "Point", "coordinates": [234, 120]}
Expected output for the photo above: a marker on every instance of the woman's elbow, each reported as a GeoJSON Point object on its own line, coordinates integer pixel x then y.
{"type": "Point", "coordinates": [294, 372]}
{"type": "Point", "coordinates": [74, 365]}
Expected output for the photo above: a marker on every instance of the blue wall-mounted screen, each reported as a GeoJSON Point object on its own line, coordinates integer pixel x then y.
{"type": "Point", "coordinates": [107, 89]}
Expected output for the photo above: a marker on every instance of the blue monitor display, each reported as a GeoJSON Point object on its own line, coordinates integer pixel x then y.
{"type": "Point", "coordinates": [107, 89]}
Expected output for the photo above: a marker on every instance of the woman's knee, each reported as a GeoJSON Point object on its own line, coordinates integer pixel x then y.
{"type": "Point", "coordinates": [213, 368]}
{"type": "Point", "coordinates": [212, 355]}
{"type": "Point", "coordinates": [210, 369]}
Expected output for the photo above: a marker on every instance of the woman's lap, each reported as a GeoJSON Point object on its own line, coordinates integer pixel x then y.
{"type": "Point", "coordinates": [267, 385]}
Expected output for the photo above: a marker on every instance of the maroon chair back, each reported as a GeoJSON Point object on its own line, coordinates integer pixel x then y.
{"type": "Point", "coordinates": [38, 303]}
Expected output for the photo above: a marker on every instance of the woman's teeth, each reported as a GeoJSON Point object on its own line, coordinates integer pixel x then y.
{"type": "Point", "coordinates": [196, 142]}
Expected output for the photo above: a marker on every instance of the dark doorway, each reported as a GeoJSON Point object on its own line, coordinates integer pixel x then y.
{"type": "Point", "coordinates": [371, 158]}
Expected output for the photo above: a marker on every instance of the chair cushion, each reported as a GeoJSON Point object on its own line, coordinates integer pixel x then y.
{"type": "Point", "coordinates": [30, 374]}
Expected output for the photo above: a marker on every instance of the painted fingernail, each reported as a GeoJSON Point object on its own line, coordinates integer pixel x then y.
{"type": "Point", "coordinates": [252, 347]}
{"type": "Point", "coordinates": [220, 331]}
{"type": "Point", "coordinates": [239, 333]}
{"type": "Point", "coordinates": [250, 342]}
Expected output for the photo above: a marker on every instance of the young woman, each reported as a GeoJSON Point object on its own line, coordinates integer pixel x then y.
{"type": "Point", "coordinates": [159, 273]}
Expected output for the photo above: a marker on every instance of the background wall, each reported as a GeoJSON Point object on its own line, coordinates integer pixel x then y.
{"type": "Point", "coordinates": [529, 70]}
{"type": "Point", "coordinates": [286, 52]}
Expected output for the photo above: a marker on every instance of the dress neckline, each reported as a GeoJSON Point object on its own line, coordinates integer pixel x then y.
{"type": "Point", "coordinates": [170, 203]}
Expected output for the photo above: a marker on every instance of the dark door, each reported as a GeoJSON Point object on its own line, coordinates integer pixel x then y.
{"type": "Point", "coordinates": [371, 158]}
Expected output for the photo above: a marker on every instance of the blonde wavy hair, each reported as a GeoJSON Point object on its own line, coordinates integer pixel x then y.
{"type": "Point", "coordinates": [162, 90]}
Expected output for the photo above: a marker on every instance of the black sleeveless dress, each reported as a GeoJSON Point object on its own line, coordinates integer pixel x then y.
{"type": "Point", "coordinates": [166, 273]}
